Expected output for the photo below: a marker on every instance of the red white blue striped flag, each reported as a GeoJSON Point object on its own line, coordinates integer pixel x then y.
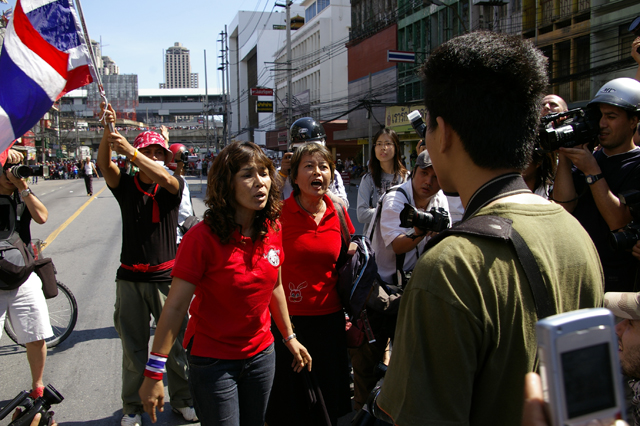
{"type": "Point", "coordinates": [44, 56]}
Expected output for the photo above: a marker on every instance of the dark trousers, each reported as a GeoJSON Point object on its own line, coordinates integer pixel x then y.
{"type": "Point", "coordinates": [88, 182]}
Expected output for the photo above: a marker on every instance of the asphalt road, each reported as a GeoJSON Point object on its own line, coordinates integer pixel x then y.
{"type": "Point", "coordinates": [84, 239]}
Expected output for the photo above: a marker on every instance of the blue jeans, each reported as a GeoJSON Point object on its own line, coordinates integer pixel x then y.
{"type": "Point", "coordinates": [232, 392]}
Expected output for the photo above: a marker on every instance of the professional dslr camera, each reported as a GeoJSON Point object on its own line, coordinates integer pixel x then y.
{"type": "Point", "coordinates": [33, 406]}
{"type": "Point", "coordinates": [579, 126]}
{"type": "Point", "coordinates": [22, 172]}
{"type": "Point", "coordinates": [435, 220]}
{"type": "Point", "coordinates": [626, 238]}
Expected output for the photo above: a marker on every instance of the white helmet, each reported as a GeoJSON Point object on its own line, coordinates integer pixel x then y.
{"type": "Point", "coordinates": [621, 92]}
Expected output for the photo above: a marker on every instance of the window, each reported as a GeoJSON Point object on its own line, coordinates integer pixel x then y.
{"type": "Point", "coordinates": [322, 4]}
{"type": "Point", "coordinates": [310, 12]}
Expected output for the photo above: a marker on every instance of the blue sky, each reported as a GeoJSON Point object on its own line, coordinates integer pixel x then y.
{"type": "Point", "coordinates": [134, 33]}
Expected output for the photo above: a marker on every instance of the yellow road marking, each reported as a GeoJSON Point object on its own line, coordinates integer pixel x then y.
{"type": "Point", "coordinates": [61, 228]}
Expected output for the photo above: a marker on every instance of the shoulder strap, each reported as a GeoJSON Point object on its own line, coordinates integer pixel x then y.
{"type": "Point", "coordinates": [379, 208]}
{"type": "Point", "coordinates": [500, 228]}
{"type": "Point", "coordinates": [344, 234]}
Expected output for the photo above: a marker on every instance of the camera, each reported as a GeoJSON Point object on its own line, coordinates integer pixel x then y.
{"type": "Point", "coordinates": [417, 123]}
{"type": "Point", "coordinates": [436, 219]}
{"type": "Point", "coordinates": [626, 238]}
{"type": "Point", "coordinates": [32, 407]}
{"type": "Point", "coordinates": [579, 126]}
{"type": "Point", "coordinates": [23, 172]}
{"type": "Point", "coordinates": [580, 367]}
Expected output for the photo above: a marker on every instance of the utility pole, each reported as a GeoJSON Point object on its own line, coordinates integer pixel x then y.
{"type": "Point", "coordinates": [228, 98]}
{"type": "Point", "coordinates": [370, 114]}
{"type": "Point", "coordinates": [224, 97]}
{"type": "Point", "coordinates": [289, 72]}
{"type": "Point", "coordinates": [289, 119]}
{"type": "Point", "coordinates": [206, 102]}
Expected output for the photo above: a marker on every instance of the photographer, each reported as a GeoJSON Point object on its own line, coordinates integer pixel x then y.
{"type": "Point", "coordinates": [26, 305]}
{"type": "Point", "coordinates": [589, 189]}
{"type": "Point", "coordinates": [390, 239]}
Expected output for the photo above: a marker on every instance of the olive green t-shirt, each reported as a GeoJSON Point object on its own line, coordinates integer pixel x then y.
{"type": "Point", "coordinates": [465, 336]}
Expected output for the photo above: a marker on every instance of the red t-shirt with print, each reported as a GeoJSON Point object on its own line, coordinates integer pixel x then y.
{"type": "Point", "coordinates": [309, 274]}
{"type": "Point", "coordinates": [230, 316]}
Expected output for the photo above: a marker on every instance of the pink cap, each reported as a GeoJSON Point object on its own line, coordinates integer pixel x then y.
{"type": "Point", "coordinates": [148, 138]}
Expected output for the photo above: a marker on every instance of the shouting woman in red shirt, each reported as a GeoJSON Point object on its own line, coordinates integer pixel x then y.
{"type": "Point", "coordinates": [311, 236]}
{"type": "Point", "coordinates": [231, 261]}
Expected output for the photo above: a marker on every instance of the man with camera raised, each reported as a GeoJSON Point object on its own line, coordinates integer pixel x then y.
{"type": "Point", "coordinates": [25, 305]}
{"type": "Point", "coordinates": [397, 249]}
{"type": "Point", "coordinates": [465, 335]}
{"type": "Point", "coordinates": [590, 189]}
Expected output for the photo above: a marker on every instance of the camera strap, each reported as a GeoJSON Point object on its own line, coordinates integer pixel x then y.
{"type": "Point", "coordinates": [500, 228]}
{"type": "Point", "coordinates": [499, 187]}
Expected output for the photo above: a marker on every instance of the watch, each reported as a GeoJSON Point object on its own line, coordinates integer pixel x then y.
{"type": "Point", "coordinates": [25, 192]}
{"type": "Point", "coordinates": [591, 179]}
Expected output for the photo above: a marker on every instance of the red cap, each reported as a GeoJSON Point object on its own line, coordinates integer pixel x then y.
{"type": "Point", "coordinates": [148, 138]}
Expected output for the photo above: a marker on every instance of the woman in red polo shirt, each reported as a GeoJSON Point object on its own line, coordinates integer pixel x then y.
{"type": "Point", "coordinates": [311, 236]}
{"type": "Point", "coordinates": [231, 261]}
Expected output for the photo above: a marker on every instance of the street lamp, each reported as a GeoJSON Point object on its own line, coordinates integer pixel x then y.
{"type": "Point", "coordinates": [455, 10]}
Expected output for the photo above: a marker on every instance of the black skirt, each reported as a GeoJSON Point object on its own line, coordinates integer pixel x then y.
{"type": "Point", "coordinates": [325, 339]}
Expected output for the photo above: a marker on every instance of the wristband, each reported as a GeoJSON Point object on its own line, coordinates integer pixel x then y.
{"type": "Point", "coordinates": [155, 368]}
{"type": "Point", "coordinates": [282, 174]}
{"type": "Point", "coordinates": [135, 155]}
{"type": "Point", "coordinates": [289, 338]}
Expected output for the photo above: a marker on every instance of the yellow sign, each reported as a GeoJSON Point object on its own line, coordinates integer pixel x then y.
{"type": "Point", "coordinates": [396, 117]}
{"type": "Point", "coordinates": [264, 106]}
{"type": "Point", "coordinates": [363, 141]}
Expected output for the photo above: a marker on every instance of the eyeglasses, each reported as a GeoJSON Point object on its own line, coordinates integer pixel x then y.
{"type": "Point", "coordinates": [385, 144]}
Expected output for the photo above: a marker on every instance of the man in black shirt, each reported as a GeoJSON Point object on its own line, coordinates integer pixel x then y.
{"type": "Point", "coordinates": [149, 204]}
{"type": "Point", "coordinates": [590, 190]}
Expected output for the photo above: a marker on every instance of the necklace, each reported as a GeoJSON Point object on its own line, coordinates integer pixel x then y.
{"type": "Point", "coordinates": [320, 210]}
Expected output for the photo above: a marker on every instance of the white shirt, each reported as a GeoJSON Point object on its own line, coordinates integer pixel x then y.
{"type": "Point", "coordinates": [388, 229]}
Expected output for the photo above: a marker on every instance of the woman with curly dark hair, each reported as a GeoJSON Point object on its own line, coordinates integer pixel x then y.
{"type": "Point", "coordinates": [231, 261]}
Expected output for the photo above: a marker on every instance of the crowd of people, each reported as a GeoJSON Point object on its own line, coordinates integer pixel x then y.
{"type": "Point", "coordinates": [250, 325]}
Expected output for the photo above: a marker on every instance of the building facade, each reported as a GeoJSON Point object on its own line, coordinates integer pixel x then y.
{"type": "Point", "coordinates": [177, 68]}
{"type": "Point", "coordinates": [254, 37]}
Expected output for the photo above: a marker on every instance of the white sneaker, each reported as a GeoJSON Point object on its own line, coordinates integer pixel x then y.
{"type": "Point", "coordinates": [131, 420]}
{"type": "Point", "coordinates": [188, 413]}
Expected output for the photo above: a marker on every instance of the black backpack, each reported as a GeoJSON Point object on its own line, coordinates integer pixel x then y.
{"type": "Point", "coordinates": [363, 294]}
{"type": "Point", "coordinates": [16, 260]}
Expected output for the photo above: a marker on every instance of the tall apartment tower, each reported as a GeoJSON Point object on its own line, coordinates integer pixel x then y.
{"type": "Point", "coordinates": [177, 68]}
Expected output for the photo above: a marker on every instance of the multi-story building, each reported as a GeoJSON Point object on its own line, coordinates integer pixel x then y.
{"type": "Point", "coordinates": [372, 80]}
{"type": "Point", "coordinates": [109, 67]}
{"type": "Point", "coordinates": [177, 68]}
{"type": "Point", "coordinates": [319, 69]}
{"type": "Point", "coordinates": [254, 38]}
{"type": "Point", "coordinates": [587, 43]}
{"type": "Point", "coordinates": [194, 80]}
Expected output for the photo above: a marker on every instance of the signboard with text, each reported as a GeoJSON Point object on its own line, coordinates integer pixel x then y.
{"type": "Point", "coordinates": [261, 91]}
{"type": "Point", "coordinates": [264, 106]}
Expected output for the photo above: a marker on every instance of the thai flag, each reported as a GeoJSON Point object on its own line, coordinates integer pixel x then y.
{"type": "Point", "coordinates": [44, 56]}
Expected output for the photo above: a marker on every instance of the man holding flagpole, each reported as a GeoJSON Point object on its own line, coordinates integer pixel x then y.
{"type": "Point", "coordinates": [149, 203]}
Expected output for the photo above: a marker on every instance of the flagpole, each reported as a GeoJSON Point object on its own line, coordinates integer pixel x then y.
{"type": "Point", "coordinates": [96, 74]}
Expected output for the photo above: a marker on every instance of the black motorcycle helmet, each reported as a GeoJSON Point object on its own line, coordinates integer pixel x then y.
{"type": "Point", "coordinates": [306, 129]}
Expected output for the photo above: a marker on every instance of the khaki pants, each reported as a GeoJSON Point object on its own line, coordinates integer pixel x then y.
{"type": "Point", "coordinates": [364, 361]}
{"type": "Point", "coordinates": [135, 303]}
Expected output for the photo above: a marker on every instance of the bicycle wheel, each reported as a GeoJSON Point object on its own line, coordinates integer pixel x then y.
{"type": "Point", "coordinates": [63, 314]}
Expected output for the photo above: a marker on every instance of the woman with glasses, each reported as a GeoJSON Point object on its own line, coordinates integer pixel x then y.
{"type": "Point", "coordinates": [385, 170]}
